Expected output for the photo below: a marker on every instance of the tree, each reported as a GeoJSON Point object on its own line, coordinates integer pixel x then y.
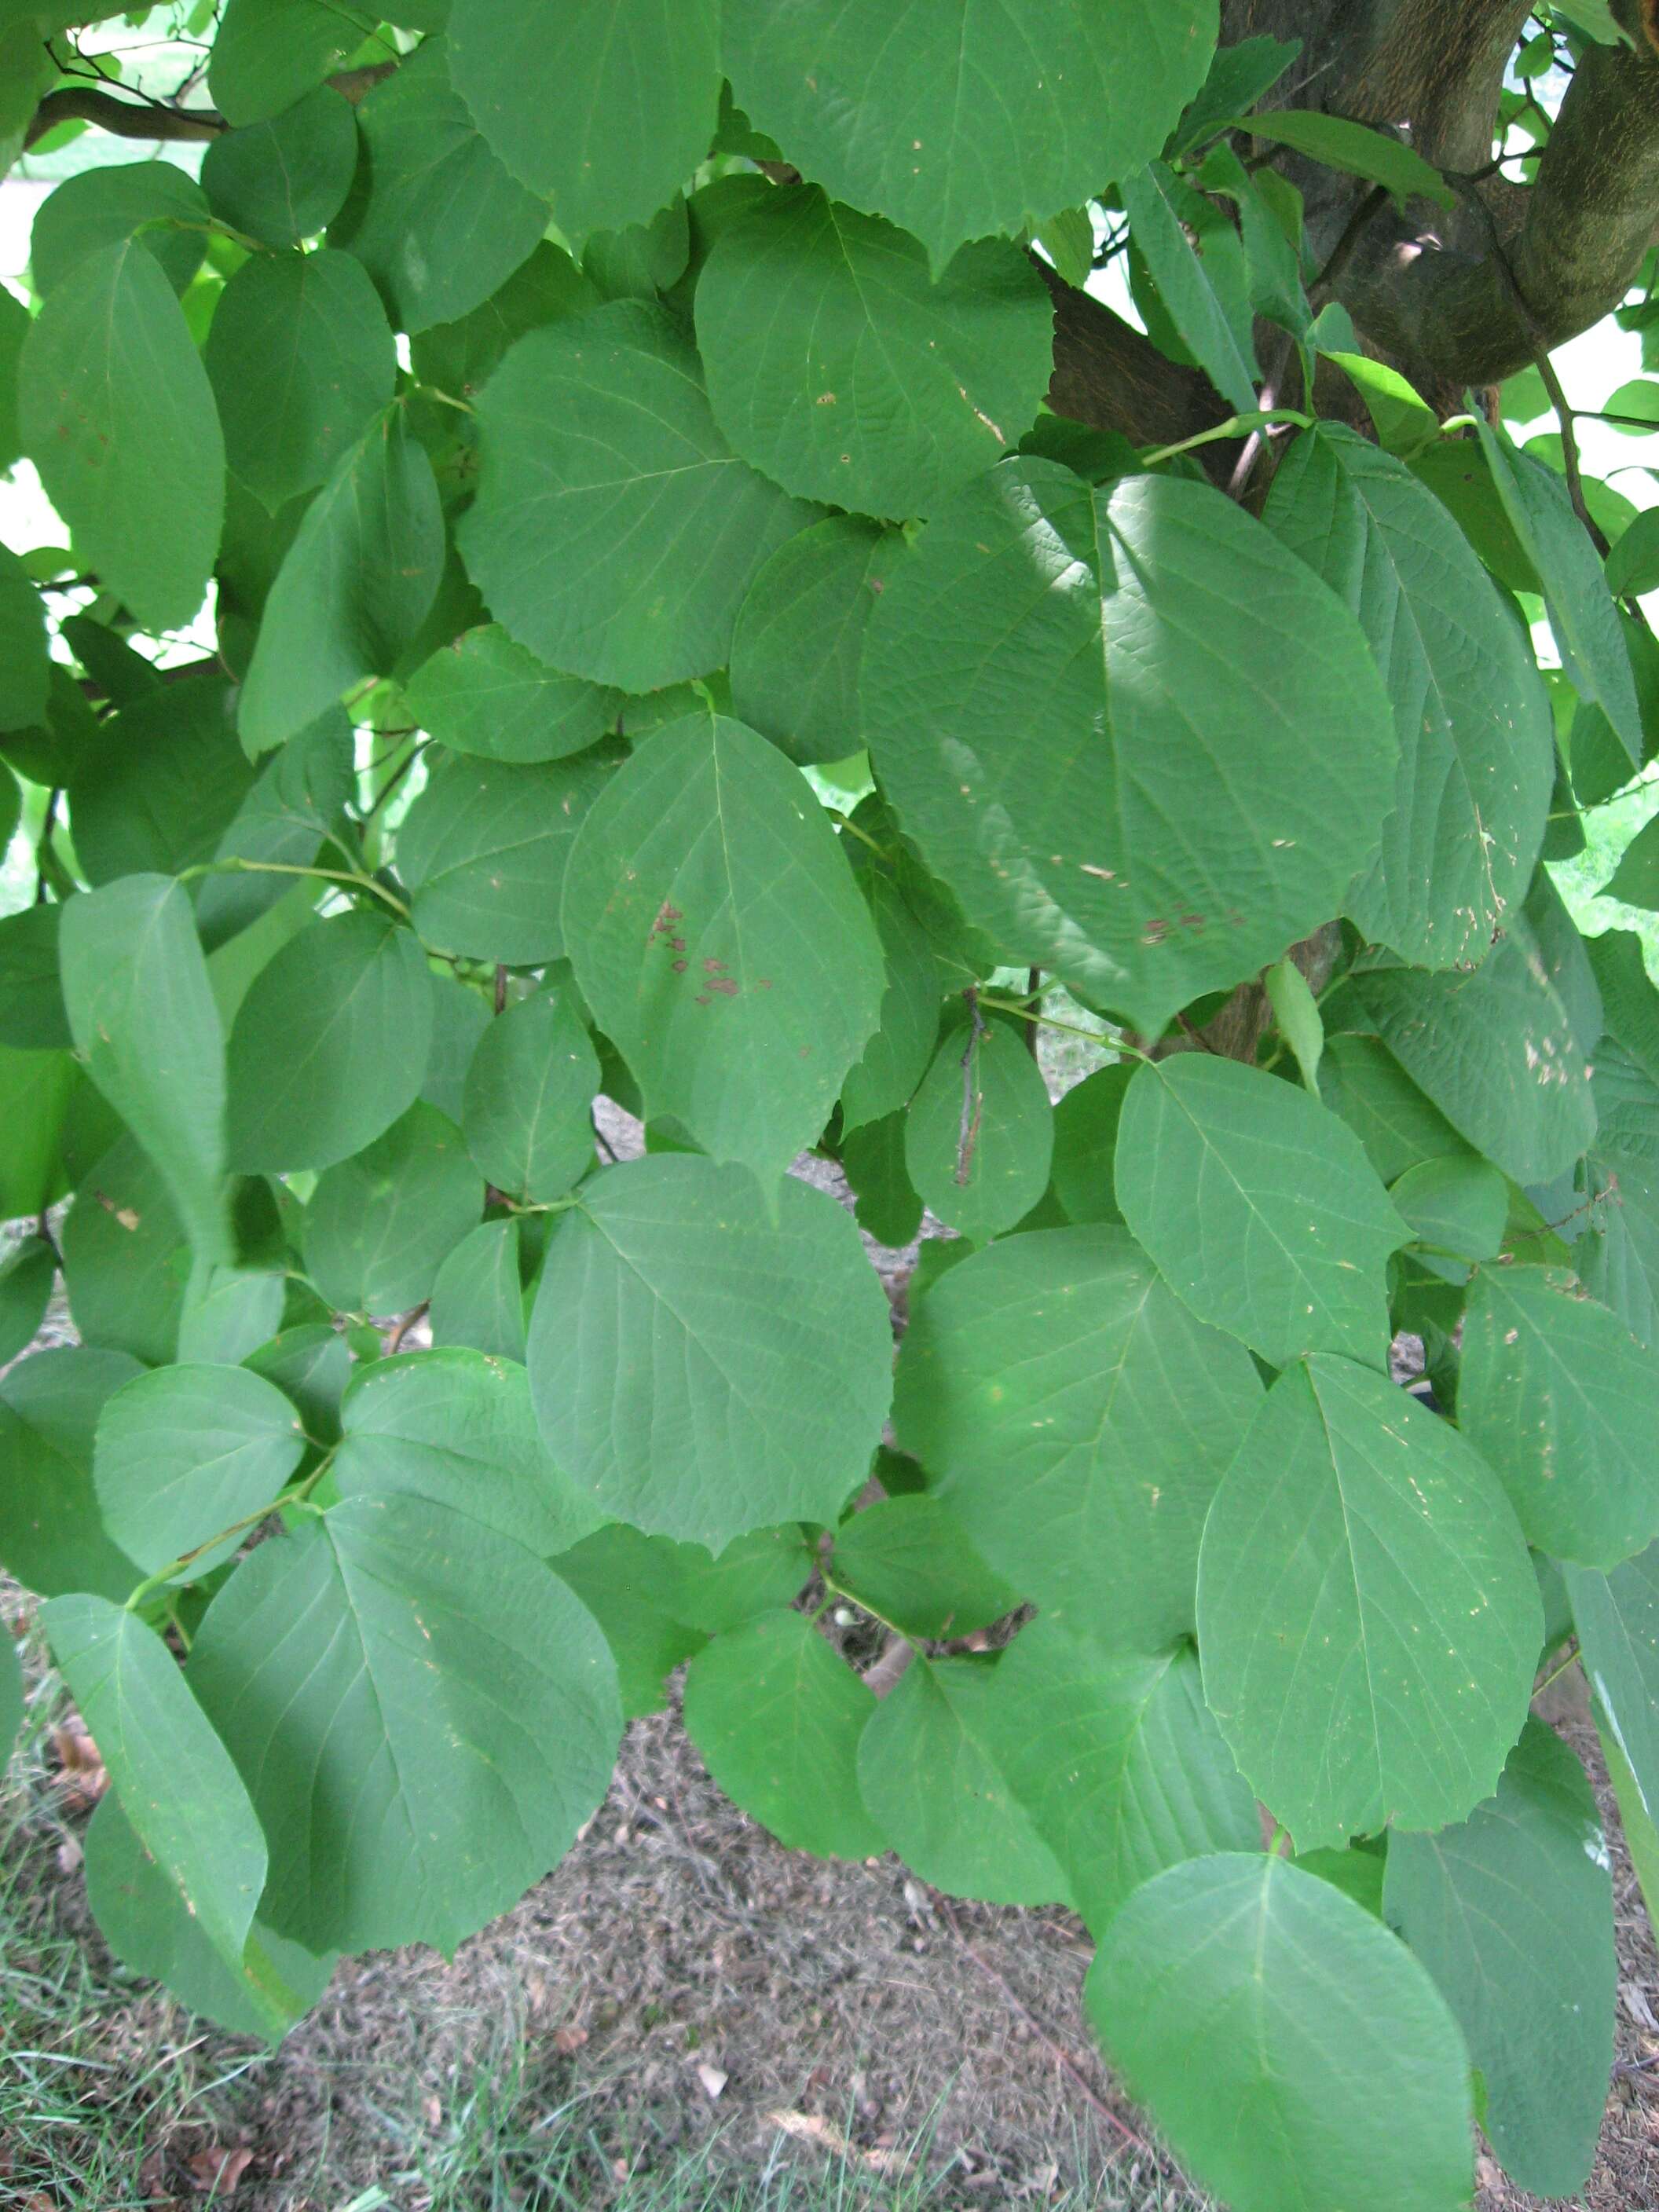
{"type": "Point", "coordinates": [706, 604]}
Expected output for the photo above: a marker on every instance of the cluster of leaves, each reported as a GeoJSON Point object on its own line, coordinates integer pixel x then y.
{"type": "Point", "coordinates": [541, 454]}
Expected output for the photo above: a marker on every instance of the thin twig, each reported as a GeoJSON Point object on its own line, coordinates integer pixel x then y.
{"type": "Point", "coordinates": [394, 1343]}
{"type": "Point", "coordinates": [1034, 988]}
{"type": "Point", "coordinates": [1061, 2056]}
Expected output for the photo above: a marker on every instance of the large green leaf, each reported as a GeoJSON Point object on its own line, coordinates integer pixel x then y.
{"type": "Point", "coordinates": [1477, 754]}
{"type": "Point", "coordinates": [354, 587]}
{"type": "Point", "coordinates": [885, 1077]}
{"type": "Point", "coordinates": [32, 1016]}
{"type": "Point", "coordinates": [433, 217]}
{"type": "Point", "coordinates": [1512, 1914]}
{"type": "Point", "coordinates": [53, 1536]}
{"type": "Point", "coordinates": [424, 1713]}
{"type": "Point", "coordinates": [906, 1561]}
{"type": "Point", "coordinates": [928, 1772]}
{"type": "Point", "coordinates": [25, 666]}
{"type": "Point", "coordinates": [1294, 2051]}
{"type": "Point", "coordinates": [1495, 1051]}
{"type": "Point", "coordinates": [1360, 1079]}
{"type": "Point", "coordinates": [529, 1102]}
{"type": "Point", "coordinates": [1617, 1618]}
{"type": "Point", "coordinates": [36, 1091]}
{"type": "Point", "coordinates": [980, 1134]}
{"type": "Point", "coordinates": [300, 357]}
{"type": "Point", "coordinates": [483, 694]}
{"type": "Point", "coordinates": [799, 636]}
{"type": "Point", "coordinates": [702, 1365]}
{"type": "Point", "coordinates": [106, 206]}
{"type": "Point", "coordinates": [484, 849]}
{"type": "Point", "coordinates": [117, 413]}
{"type": "Point", "coordinates": [28, 1274]}
{"type": "Point", "coordinates": [718, 934]}
{"type": "Point", "coordinates": [296, 804]}
{"type": "Point", "coordinates": [777, 1714]}
{"type": "Point", "coordinates": [269, 53]}
{"type": "Point", "coordinates": [1056, 672]}
{"type": "Point", "coordinates": [330, 1046]}
{"type": "Point", "coordinates": [603, 476]}
{"type": "Point", "coordinates": [478, 1297]}
{"type": "Point", "coordinates": [1258, 1206]}
{"type": "Point", "coordinates": [142, 1013]}
{"type": "Point", "coordinates": [156, 789]}
{"type": "Point", "coordinates": [185, 1452]}
{"type": "Point", "coordinates": [175, 1780]}
{"type": "Point", "coordinates": [280, 179]}
{"type": "Point", "coordinates": [1197, 262]}
{"type": "Point", "coordinates": [1116, 1761]}
{"type": "Point", "coordinates": [1582, 616]}
{"type": "Point", "coordinates": [1367, 1612]}
{"type": "Point", "coordinates": [1564, 1403]}
{"type": "Point", "coordinates": [1357, 151]}
{"type": "Point", "coordinates": [381, 1224]}
{"type": "Point", "coordinates": [840, 369]}
{"type": "Point", "coordinates": [603, 107]}
{"type": "Point", "coordinates": [1076, 1420]}
{"type": "Point", "coordinates": [459, 1428]}
{"type": "Point", "coordinates": [959, 122]}
{"type": "Point", "coordinates": [127, 1265]}
{"type": "Point", "coordinates": [150, 1929]}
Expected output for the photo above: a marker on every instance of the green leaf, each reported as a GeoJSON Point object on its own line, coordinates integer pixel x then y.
{"type": "Point", "coordinates": [1477, 752]}
{"type": "Point", "coordinates": [962, 123]}
{"type": "Point", "coordinates": [718, 935]}
{"type": "Point", "coordinates": [459, 1429]}
{"type": "Point", "coordinates": [25, 666]}
{"type": "Point", "coordinates": [285, 178]}
{"type": "Point", "coordinates": [433, 217]}
{"type": "Point", "coordinates": [1404, 422]}
{"type": "Point", "coordinates": [530, 1090]}
{"type": "Point", "coordinates": [1617, 1618]}
{"type": "Point", "coordinates": [1634, 564]}
{"type": "Point", "coordinates": [311, 1365]}
{"type": "Point", "coordinates": [603, 109]}
{"type": "Point", "coordinates": [35, 1091]}
{"type": "Point", "coordinates": [601, 470]}
{"type": "Point", "coordinates": [183, 1453]}
{"type": "Point", "coordinates": [1362, 1082]}
{"type": "Point", "coordinates": [477, 1299]}
{"type": "Point", "coordinates": [906, 1561]}
{"type": "Point", "coordinates": [127, 1265]}
{"type": "Point", "coordinates": [229, 1312]}
{"type": "Point", "coordinates": [295, 806]}
{"type": "Point", "coordinates": [28, 1274]}
{"type": "Point", "coordinates": [1258, 1206]}
{"type": "Point", "coordinates": [839, 368]}
{"type": "Point", "coordinates": [1085, 1144]}
{"type": "Point", "coordinates": [883, 1079]}
{"type": "Point", "coordinates": [458, 357]}
{"type": "Point", "coordinates": [424, 1715]}
{"type": "Point", "coordinates": [1564, 1404]}
{"type": "Point", "coordinates": [1075, 1420]}
{"type": "Point", "coordinates": [1116, 1761]}
{"type": "Point", "coordinates": [888, 1204]}
{"type": "Point", "coordinates": [777, 1714]}
{"type": "Point", "coordinates": [485, 694]}
{"type": "Point", "coordinates": [1200, 277]}
{"type": "Point", "coordinates": [381, 1224]}
{"type": "Point", "coordinates": [460, 1017]}
{"type": "Point", "coordinates": [301, 358]}
{"type": "Point", "coordinates": [1054, 673]}
{"type": "Point", "coordinates": [142, 1016]}
{"type": "Point", "coordinates": [980, 1135]}
{"type": "Point", "coordinates": [1641, 1837]}
{"type": "Point", "coordinates": [1239, 77]}
{"type": "Point", "coordinates": [1356, 150]}
{"type": "Point", "coordinates": [151, 1930]}
{"type": "Point", "coordinates": [330, 1046]}
{"type": "Point", "coordinates": [14, 329]}
{"type": "Point", "coordinates": [159, 783]}
{"type": "Point", "coordinates": [52, 1537]}
{"type": "Point", "coordinates": [354, 587]}
{"type": "Point", "coordinates": [173, 1776]}
{"type": "Point", "coordinates": [1292, 2048]}
{"type": "Point", "coordinates": [701, 1364]}
{"type": "Point", "coordinates": [106, 206]}
{"type": "Point", "coordinates": [799, 636]}
{"type": "Point", "coordinates": [117, 413]}
{"type": "Point", "coordinates": [1635, 881]}
{"type": "Point", "coordinates": [1495, 1051]}
{"type": "Point", "coordinates": [485, 850]}
{"type": "Point", "coordinates": [1368, 1616]}
{"type": "Point", "coordinates": [1295, 1010]}
{"type": "Point", "coordinates": [1583, 618]}
{"type": "Point", "coordinates": [927, 1768]}
{"type": "Point", "coordinates": [1456, 1205]}
{"type": "Point", "coordinates": [1512, 1914]}
{"type": "Point", "coordinates": [269, 54]}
